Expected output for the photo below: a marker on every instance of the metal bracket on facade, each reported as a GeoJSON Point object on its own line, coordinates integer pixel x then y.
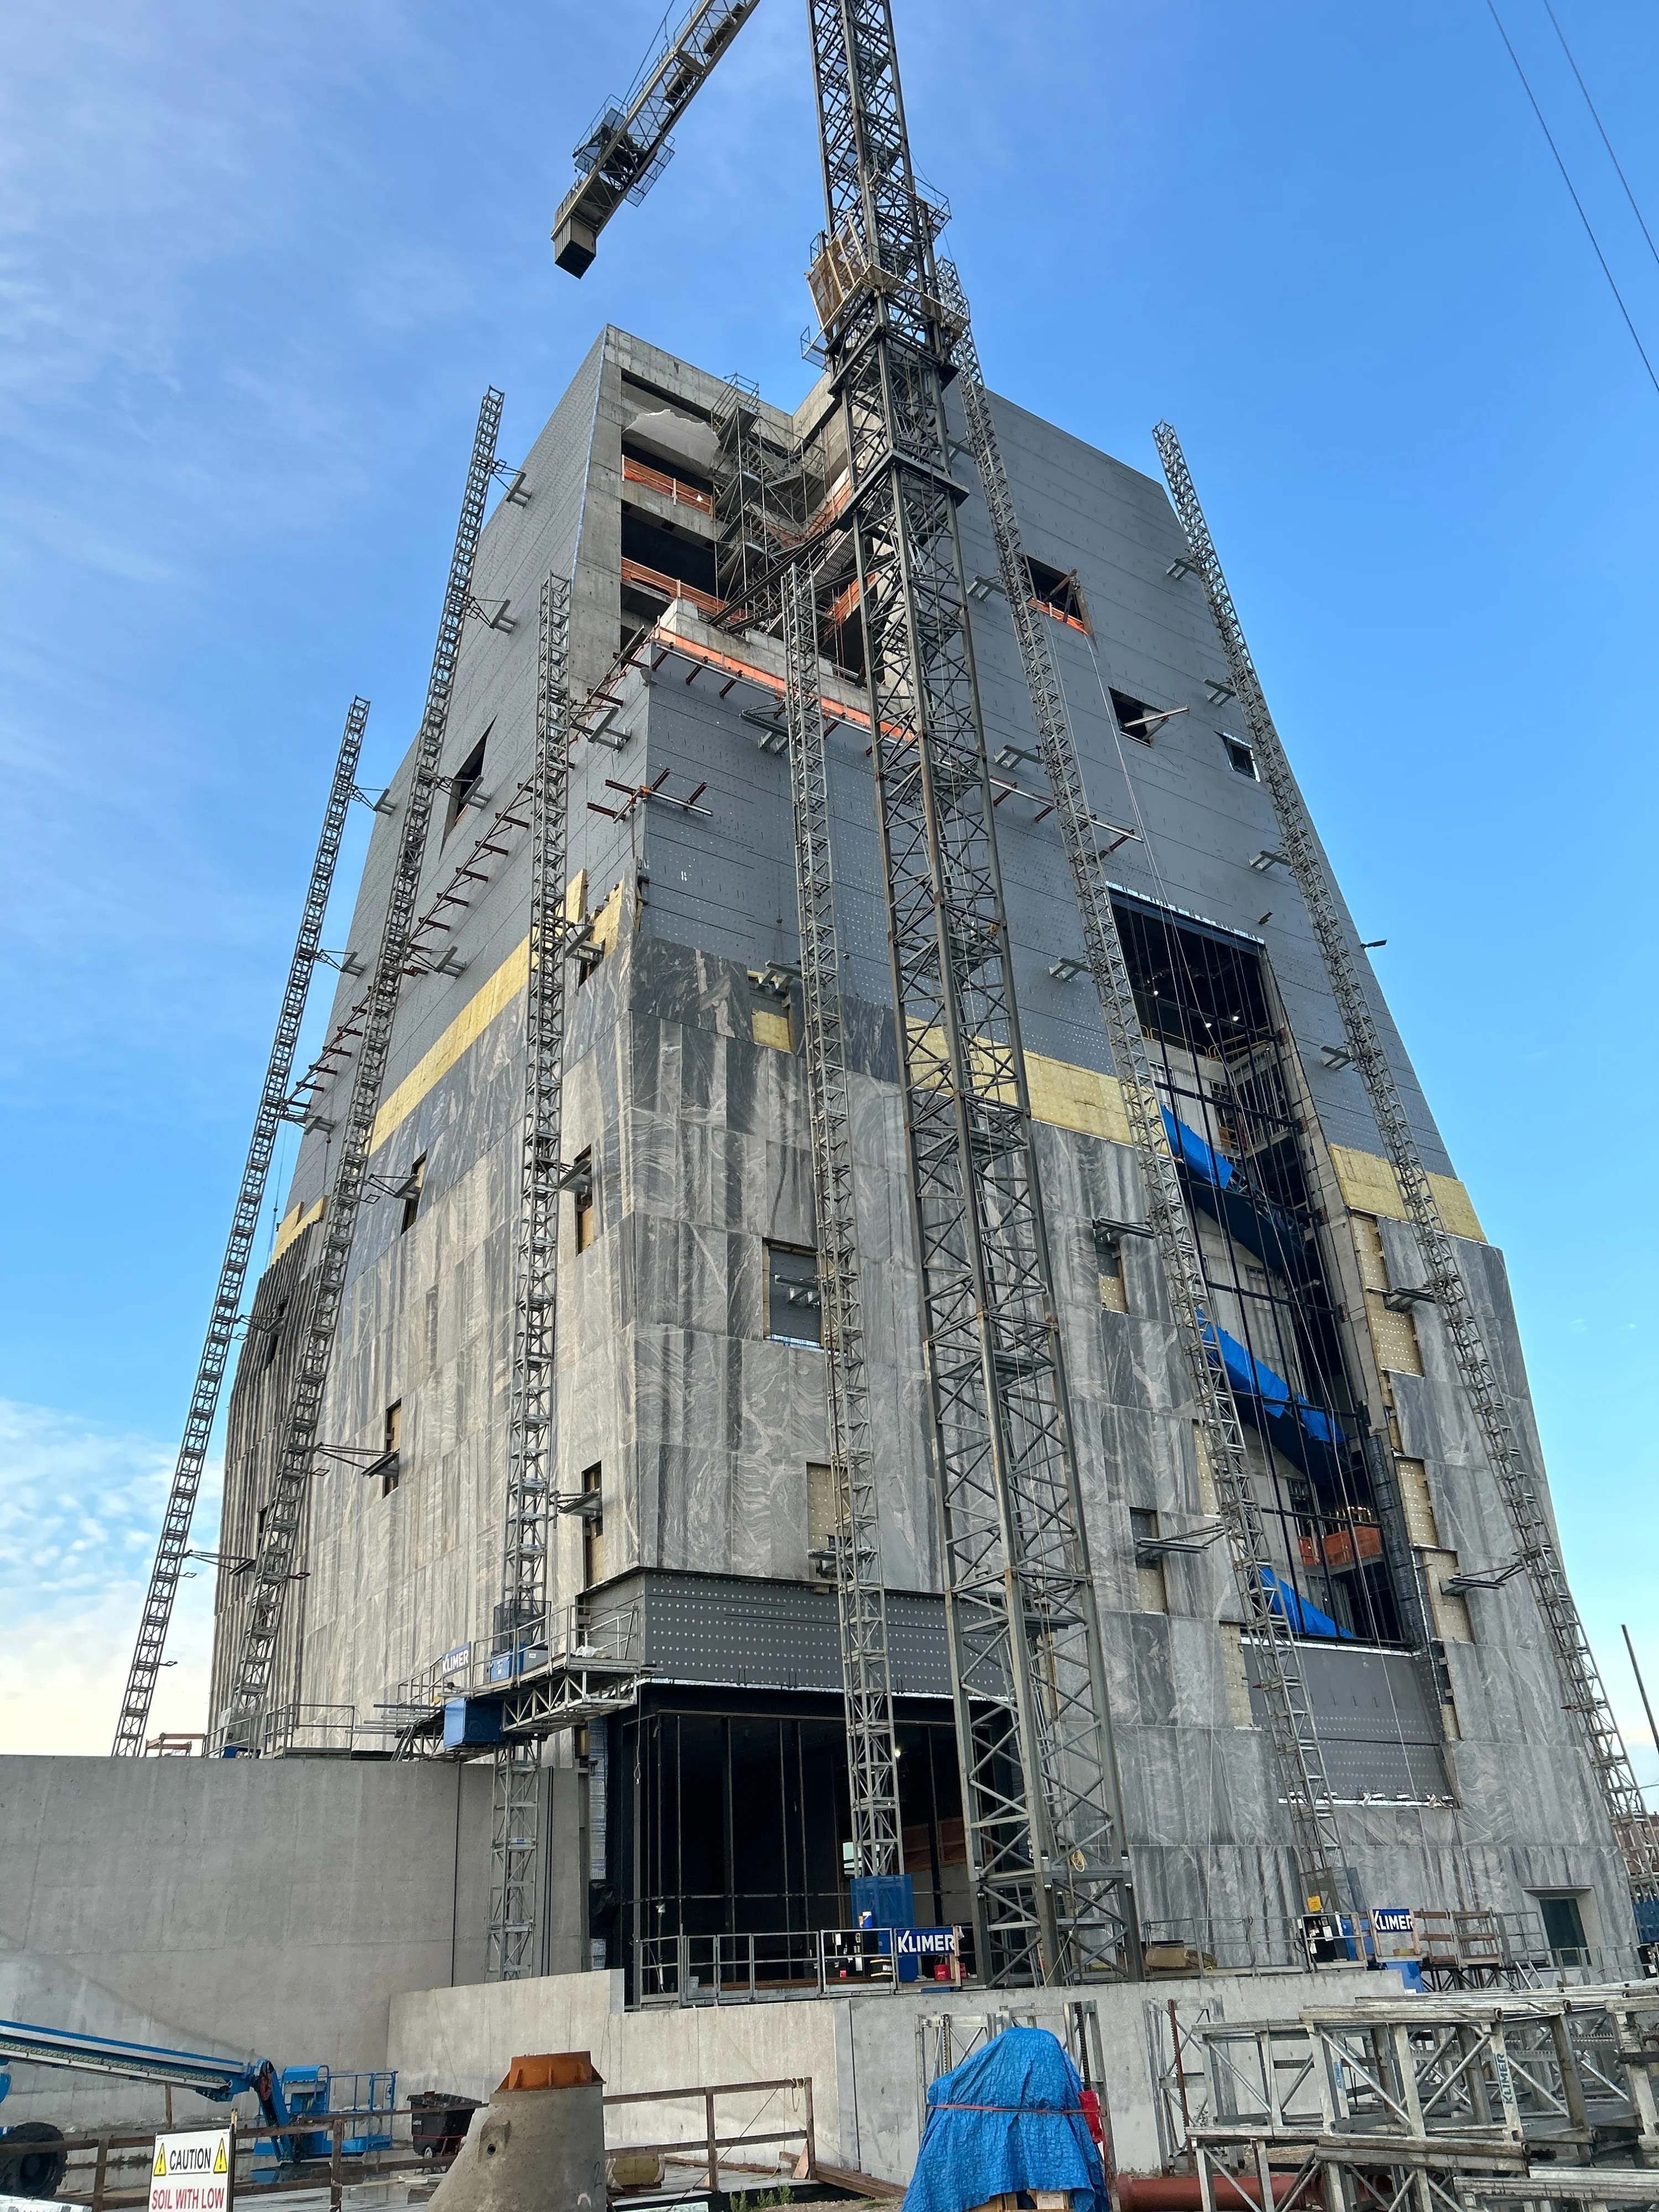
{"type": "Point", "coordinates": [1491, 1579]}
{"type": "Point", "coordinates": [1149, 1550]}
{"type": "Point", "coordinates": [1403, 1301]}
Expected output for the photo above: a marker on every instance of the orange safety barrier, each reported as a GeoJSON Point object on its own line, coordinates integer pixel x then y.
{"type": "Point", "coordinates": [1339, 1548]}
{"type": "Point", "coordinates": [670, 588]}
{"type": "Point", "coordinates": [669, 487]}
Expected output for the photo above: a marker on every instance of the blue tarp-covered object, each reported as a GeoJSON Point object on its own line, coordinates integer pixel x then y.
{"type": "Point", "coordinates": [1009, 2117]}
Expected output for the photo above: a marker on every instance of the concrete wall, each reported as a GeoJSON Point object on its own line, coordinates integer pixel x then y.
{"type": "Point", "coordinates": [860, 2052]}
{"type": "Point", "coordinates": [268, 1908]}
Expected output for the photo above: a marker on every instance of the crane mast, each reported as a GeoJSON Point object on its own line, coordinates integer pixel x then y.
{"type": "Point", "coordinates": [514, 1949]}
{"type": "Point", "coordinates": [872, 1752]}
{"type": "Point", "coordinates": [1583, 1693]}
{"type": "Point", "coordinates": [273, 1568]}
{"type": "Point", "coordinates": [1042, 1810]}
{"type": "Point", "coordinates": [226, 1316]}
{"type": "Point", "coordinates": [1272, 1654]}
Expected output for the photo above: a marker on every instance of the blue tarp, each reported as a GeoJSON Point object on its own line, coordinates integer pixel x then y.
{"type": "Point", "coordinates": [1009, 2117]}
{"type": "Point", "coordinates": [1250, 1214]}
{"type": "Point", "coordinates": [1253, 1378]}
{"type": "Point", "coordinates": [1190, 1148]}
{"type": "Point", "coordinates": [1301, 1618]}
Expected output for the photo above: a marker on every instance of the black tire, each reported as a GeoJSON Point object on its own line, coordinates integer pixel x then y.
{"type": "Point", "coordinates": [36, 2170]}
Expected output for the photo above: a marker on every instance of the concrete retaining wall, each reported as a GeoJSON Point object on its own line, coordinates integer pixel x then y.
{"type": "Point", "coordinates": [858, 2052]}
{"type": "Point", "coordinates": [246, 1906]}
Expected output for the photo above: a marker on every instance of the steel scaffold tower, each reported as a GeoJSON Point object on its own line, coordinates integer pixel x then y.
{"type": "Point", "coordinates": [514, 1948]}
{"type": "Point", "coordinates": [1581, 1684]}
{"type": "Point", "coordinates": [1042, 1806]}
{"type": "Point", "coordinates": [1276, 1663]}
{"type": "Point", "coordinates": [872, 1752]}
{"type": "Point", "coordinates": [273, 1568]}
{"type": "Point", "coordinates": [226, 1316]}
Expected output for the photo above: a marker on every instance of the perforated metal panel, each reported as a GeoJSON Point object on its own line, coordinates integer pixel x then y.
{"type": "Point", "coordinates": [756, 1635]}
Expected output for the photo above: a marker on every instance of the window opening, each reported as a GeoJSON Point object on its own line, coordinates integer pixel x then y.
{"type": "Point", "coordinates": [1228, 1099]}
{"type": "Point", "coordinates": [771, 1012]}
{"type": "Point", "coordinates": [1149, 1569]}
{"type": "Point", "coordinates": [1058, 592]}
{"type": "Point", "coordinates": [409, 1192]}
{"type": "Point", "coordinates": [390, 1468]}
{"type": "Point", "coordinates": [822, 1519]}
{"type": "Point", "coordinates": [1135, 717]}
{"type": "Point", "coordinates": [793, 1314]}
{"type": "Point", "coordinates": [581, 1193]}
{"type": "Point", "coordinates": [273, 1330]}
{"type": "Point", "coordinates": [1242, 756]}
{"type": "Point", "coordinates": [1563, 1928]}
{"type": "Point", "coordinates": [592, 1511]}
{"type": "Point", "coordinates": [465, 782]}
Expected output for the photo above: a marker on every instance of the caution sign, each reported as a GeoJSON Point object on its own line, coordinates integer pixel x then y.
{"type": "Point", "coordinates": [193, 2172]}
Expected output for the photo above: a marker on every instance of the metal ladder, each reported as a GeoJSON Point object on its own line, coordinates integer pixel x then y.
{"type": "Point", "coordinates": [273, 1568]}
{"type": "Point", "coordinates": [1278, 1664]}
{"type": "Point", "coordinates": [227, 1315]}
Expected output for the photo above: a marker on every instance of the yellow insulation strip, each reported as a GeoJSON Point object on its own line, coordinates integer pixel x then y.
{"type": "Point", "coordinates": [294, 1224]}
{"type": "Point", "coordinates": [1368, 1187]}
{"type": "Point", "coordinates": [469, 1025]}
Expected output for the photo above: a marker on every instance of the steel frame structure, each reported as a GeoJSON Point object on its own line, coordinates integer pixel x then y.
{"type": "Point", "coordinates": [1583, 1693]}
{"type": "Point", "coordinates": [1043, 1811]}
{"type": "Point", "coordinates": [514, 1949]}
{"type": "Point", "coordinates": [279, 1545]}
{"type": "Point", "coordinates": [227, 1315]}
{"type": "Point", "coordinates": [1272, 1652]}
{"type": "Point", "coordinates": [872, 1748]}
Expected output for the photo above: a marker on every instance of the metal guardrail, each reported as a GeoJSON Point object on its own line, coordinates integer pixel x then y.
{"type": "Point", "coordinates": [730, 1968]}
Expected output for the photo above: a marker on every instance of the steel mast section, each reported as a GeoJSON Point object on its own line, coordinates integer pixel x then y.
{"type": "Point", "coordinates": [273, 1568]}
{"type": "Point", "coordinates": [627, 148]}
{"type": "Point", "coordinates": [515, 1949]}
{"type": "Point", "coordinates": [1277, 1661]}
{"type": "Point", "coordinates": [1581, 1683]}
{"type": "Point", "coordinates": [226, 1316]}
{"type": "Point", "coordinates": [1042, 1804]}
{"type": "Point", "coordinates": [872, 1750]}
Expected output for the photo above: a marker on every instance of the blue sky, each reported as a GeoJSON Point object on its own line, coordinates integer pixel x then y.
{"type": "Point", "coordinates": [256, 267]}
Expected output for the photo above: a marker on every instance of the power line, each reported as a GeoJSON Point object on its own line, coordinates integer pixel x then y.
{"type": "Point", "coordinates": [1602, 128]}
{"type": "Point", "coordinates": [1653, 377]}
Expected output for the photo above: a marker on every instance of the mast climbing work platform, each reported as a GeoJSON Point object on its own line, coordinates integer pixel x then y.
{"type": "Point", "coordinates": [1582, 1692]}
{"type": "Point", "coordinates": [1273, 1650]}
{"type": "Point", "coordinates": [872, 1748]}
{"type": "Point", "coordinates": [226, 1318]}
{"type": "Point", "coordinates": [532, 1419]}
{"type": "Point", "coordinates": [273, 1568]}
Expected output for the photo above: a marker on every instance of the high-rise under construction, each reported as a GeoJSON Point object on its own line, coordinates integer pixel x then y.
{"type": "Point", "coordinates": [694, 1490]}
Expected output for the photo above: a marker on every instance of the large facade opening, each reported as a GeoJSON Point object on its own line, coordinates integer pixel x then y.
{"type": "Point", "coordinates": [1234, 1119]}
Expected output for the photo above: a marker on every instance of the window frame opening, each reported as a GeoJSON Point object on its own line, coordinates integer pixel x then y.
{"type": "Point", "coordinates": [1136, 718]}
{"type": "Point", "coordinates": [583, 1187]}
{"type": "Point", "coordinates": [463, 790]}
{"type": "Point", "coordinates": [1241, 757]}
{"type": "Point", "coordinates": [592, 1519]}
{"type": "Point", "coordinates": [409, 1194]}
{"type": "Point", "coordinates": [1058, 592]}
{"type": "Point", "coordinates": [389, 1467]}
{"type": "Point", "coordinates": [797, 1280]}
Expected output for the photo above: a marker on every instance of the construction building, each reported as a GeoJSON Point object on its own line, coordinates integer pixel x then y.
{"type": "Point", "coordinates": [694, 1491]}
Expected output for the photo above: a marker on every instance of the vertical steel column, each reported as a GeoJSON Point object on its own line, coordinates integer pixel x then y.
{"type": "Point", "coordinates": [871, 1753]}
{"type": "Point", "coordinates": [1272, 1656]}
{"type": "Point", "coordinates": [1581, 1684]}
{"type": "Point", "coordinates": [532, 1435]}
{"type": "Point", "coordinates": [273, 1568]}
{"type": "Point", "coordinates": [1042, 1810]}
{"type": "Point", "coordinates": [232, 1272]}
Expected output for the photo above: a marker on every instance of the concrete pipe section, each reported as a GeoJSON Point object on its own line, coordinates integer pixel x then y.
{"type": "Point", "coordinates": [539, 2144]}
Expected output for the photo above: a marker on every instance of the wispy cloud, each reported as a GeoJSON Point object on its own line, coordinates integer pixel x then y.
{"type": "Point", "coordinates": [79, 1512]}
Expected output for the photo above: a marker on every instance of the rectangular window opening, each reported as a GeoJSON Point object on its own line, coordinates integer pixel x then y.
{"type": "Point", "coordinates": [1154, 1592]}
{"type": "Point", "coordinates": [1242, 757]}
{"type": "Point", "coordinates": [593, 1510]}
{"type": "Point", "coordinates": [1058, 592]}
{"type": "Point", "coordinates": [463, 785]}
{"type": "Point", "coordinates": [389, 1467]}
{"type": "Point", "coordinates": [273, 1330]}
{"type": "Point", "coordinates": [821, 1519]}
{"type": "Point", "coordinates": [581, 1193]}
{"type": "Point", "coordinates": [793, 1314]}
{"type": "Point", "coordinates": [771, 1013]}
{"type": "Point", "coordinates": [1135, 717]}
{"type": "Point", "coordinates": [1563, 1918]}
{"type": "Point", "coordinates": [409, 1194]}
